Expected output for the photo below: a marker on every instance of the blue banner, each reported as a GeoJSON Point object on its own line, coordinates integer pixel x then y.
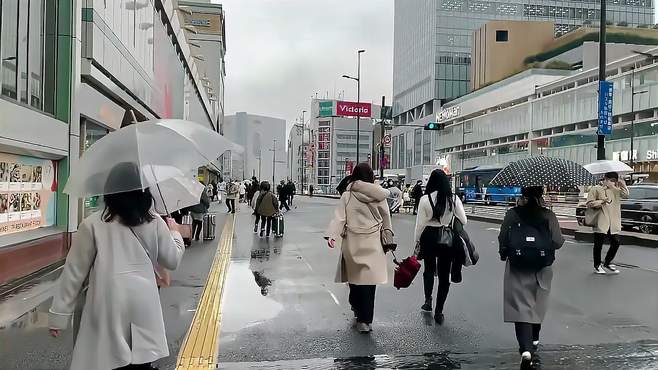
{"type": "Point", "coordinates": [605, 108]}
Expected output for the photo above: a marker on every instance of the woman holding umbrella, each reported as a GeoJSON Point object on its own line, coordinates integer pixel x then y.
{"type": "Point", "coordinates": [117, 250]}
{"type": "Point", "coordinates": [528, 238]}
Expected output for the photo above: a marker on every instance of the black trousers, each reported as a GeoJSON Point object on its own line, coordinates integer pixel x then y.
{"type": "Point", "coordinates": [526, 333]}
{"type": "Point", "coordinates": [230, 203]}
{"type": "Point", "coordinates": [284, 203]}
{"type": "Point", "coordinates": [362, 299]}
{"type": "Point", "coordinates": [598, 246]}
{"type": "Point", "coordinates": [265, 222]}
{"type": "Point", "coordinates": [146, 366]}
{"type": "Point", "coordinates": [291, 196]}
{"type": "Point", "coordinates": [197, 225]}
{"type": "Point", "coordinates": [439, 264]}
{"type": "Point", "coordinates": [416, 202]}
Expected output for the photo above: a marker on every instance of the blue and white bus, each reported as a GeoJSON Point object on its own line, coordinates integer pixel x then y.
{"type": "Point", "coordinates": [474, 186]}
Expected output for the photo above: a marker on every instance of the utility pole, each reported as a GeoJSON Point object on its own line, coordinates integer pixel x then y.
{"type": "Point", "coordinates": [600, 146]}
{"type": "Point", "coordinates": [358, 100]}
{"type": "Point", "coordinates": [273, 161]}
{"type": "Point", "coordinates": [381, 140]}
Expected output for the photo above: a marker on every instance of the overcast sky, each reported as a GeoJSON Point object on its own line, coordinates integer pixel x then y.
{"type": "Point", "coordinates": [282, 52]}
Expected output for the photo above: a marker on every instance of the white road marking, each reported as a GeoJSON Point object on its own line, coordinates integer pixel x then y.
{"type": "Point", "coordinates": [493, 228]}
{"type": "Point", "coordinates": [334, 297]}
{"type": "Point", "coordinates": [307, 264]}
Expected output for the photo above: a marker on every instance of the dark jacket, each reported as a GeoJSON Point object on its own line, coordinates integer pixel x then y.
{"type": "Point", "coordinates": [463, 240]}
{"type": "Point", "coordinates": [266, 204]}
{"type": "Point", "coordinates": [417, 192]}
{"type": "Point", "coordinates": [536, 217]}
{"type": "Point", "coordinates": [282, 191]}
{"type": "Point", "coordinates": [203, 205]}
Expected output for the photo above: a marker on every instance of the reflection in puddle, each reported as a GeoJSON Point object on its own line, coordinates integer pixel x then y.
{"type": "Point", "coordinates": [247, 287]}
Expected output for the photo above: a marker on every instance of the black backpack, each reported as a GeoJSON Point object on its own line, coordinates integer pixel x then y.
{"type": "Point", "coordinates": [530, 247]}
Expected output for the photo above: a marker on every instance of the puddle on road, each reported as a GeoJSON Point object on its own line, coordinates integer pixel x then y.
{"type": "Point", "coordinates": [245, 301]}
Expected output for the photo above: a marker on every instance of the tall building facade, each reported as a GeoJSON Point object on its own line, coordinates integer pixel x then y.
{"type": "Point", "coordinates": [71, 72]}
{"type": "Point", "coordinates": [432, 51]}
{"type": "Point", "coordinates": [264, 142]}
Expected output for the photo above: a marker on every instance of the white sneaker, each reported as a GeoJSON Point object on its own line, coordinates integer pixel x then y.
{"type": "Point", "coordinates": [599, 271]}
{"type": "Point", "coordinates": [526, 360]}
{"type": "Point", "coordinates": [611, 269]}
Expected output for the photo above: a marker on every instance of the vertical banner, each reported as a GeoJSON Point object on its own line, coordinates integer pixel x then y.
{"type": "Point", "coordinates": [605, 108]}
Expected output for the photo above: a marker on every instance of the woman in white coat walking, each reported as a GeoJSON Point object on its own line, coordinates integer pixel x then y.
{"type": "Point", "coordinates": [358, 221]}
{"type": "Point", "coordinates": [437, 209]}
{"type": "Point", "coordinates": [117, 251]}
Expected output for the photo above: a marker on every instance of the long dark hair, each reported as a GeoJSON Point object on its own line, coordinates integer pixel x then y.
{"type": "Point", "coordinates": [132, 208]}
{"type": "Point", "coordinates": [362, 172]}
{"type": "Point", "coordinates": [439, 182]}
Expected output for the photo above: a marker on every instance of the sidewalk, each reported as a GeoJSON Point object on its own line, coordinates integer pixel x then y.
{"type": "Point", "coordinates": [24, 340]}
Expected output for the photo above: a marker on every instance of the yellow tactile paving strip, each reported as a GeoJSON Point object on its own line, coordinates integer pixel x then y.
{"type": "Point", "coordinates": [199, 350]}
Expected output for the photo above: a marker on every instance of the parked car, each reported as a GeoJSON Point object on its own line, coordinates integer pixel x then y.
{"type": "Point", "coordinates": [639, 211]}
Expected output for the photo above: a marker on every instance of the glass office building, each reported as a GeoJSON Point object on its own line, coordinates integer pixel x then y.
{"type": "Point", "coordinates": [432, 50]}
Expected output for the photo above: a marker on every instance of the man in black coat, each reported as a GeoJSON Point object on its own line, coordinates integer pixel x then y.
{"type": "Point", "coordinates": [282, 190]}
{"type": "Point", "coordinates": [416, 194]}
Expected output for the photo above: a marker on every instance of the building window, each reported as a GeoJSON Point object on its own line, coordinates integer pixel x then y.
{"type": "Point", "coordinates": [502, 35]}
{"type": "Point", "coordinates": [9, 52]}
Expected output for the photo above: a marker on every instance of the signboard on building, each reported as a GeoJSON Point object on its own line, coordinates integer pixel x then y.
{"type": "Point", "coordinates": [449, 113]}
{"type": "Point", "coordinates": [325, 108]}
{"type": "Point", "coordinates": [205, 23]}
{"type": "Point", "coordinates": [27, 193]}
{"type": "Point", "coordinates": [605, 108]}
{"type": "Point", "coordinates": [352, 109]}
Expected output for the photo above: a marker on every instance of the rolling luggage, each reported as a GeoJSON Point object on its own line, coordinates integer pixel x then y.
{"type": "Point", "coordinates": [186, 229]}
{"type": "Point", "coordinates": [208, 229]}
{"type": "Point", "coordinates": [278, 226]}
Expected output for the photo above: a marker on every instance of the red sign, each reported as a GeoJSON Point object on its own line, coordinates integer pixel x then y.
{"type": "Point", "coordinates": [351, 109]}
{"type": "Point", "coordinates": [349, 166]}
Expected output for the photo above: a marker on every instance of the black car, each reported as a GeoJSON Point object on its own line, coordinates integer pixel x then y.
{"type": "Point", "coordinates": [639, 211]}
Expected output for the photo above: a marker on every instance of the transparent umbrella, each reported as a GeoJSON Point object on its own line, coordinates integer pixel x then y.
{"type": "Point", "coordinates": [176, 193]}
{"type": "Point", "coordinates": [605, 166]}
{"type": "Point", "coordinates": [146, 154]}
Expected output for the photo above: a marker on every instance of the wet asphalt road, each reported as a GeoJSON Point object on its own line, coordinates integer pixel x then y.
{"type": "Point", "coordinates": [282, 310]}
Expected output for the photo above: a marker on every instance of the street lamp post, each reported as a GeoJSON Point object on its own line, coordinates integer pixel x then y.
{"type": "Point", "coordinates": [600, 142]}
{"type": "Point", "coordinates": [303, 154]}
{"type": "Point", "coordinates": [358, 99]}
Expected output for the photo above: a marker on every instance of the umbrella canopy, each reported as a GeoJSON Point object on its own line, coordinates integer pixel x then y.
{"type": "Point", "coordinates": [159, 150]}
{"type": "Point", "coordinates": [176, 193]}
{"type": "Point", "coordinates": [605, 166]}
{"type": "Point", "coordinates": [543, 171]}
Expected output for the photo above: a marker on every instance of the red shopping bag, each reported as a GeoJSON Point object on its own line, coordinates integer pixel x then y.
{"type": "Point", "coordinates": [405, 272]}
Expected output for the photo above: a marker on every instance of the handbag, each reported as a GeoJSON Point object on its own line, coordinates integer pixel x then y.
{"type": "Point", "coordinates": [405, 272]}
{"type": "Point", "coordinates": [385, 235]}
{"type": "Point", "coordinates": [592, 214]}
{"type": "Point", "coordinates": [162, 275]}
{"type": "Point", "coordinates": [445, 234]}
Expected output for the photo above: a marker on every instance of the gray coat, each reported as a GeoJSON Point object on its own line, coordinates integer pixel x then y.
{"type": "Point", "coordinates": [525, 293]}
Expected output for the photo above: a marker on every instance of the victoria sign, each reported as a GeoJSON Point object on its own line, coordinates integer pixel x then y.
{"type": "Point", "coordinates": [351, 109]}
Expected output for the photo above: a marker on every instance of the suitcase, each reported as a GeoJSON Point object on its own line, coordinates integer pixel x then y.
{"type": "Point", "coordinates": [186, 229]}
{"type": "Point", "coordinates": [208, 229]}
{"type": "Point", "coordinates": [278, 226]}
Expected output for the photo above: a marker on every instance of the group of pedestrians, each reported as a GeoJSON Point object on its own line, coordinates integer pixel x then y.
{"type": "Point", "coordinates": [286, 192]}
{"type": "Point", "coordinates": [363, 212]}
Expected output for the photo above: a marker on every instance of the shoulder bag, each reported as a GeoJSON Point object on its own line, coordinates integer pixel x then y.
{"type": "Point", "coordinates": [592, 214]}
{"type": "Point", "coordinates": [162, 276]}
{"type": "Point", "coordinates": [445, 234]}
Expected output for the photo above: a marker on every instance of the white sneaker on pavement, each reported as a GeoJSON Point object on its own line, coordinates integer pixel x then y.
{"type": "Point", "coordinates": [526, 360]}
{"type": "Point", "coordinates": [599, 271]}
{"type": "Point", "coordinates": [611, 269]}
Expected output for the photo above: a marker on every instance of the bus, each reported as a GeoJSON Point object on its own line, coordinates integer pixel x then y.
{"type": "Point", "coordinates": [474, 186]}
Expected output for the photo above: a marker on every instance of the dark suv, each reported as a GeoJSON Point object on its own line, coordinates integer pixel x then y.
{"type": "Point", "coordinates": [640, 210]}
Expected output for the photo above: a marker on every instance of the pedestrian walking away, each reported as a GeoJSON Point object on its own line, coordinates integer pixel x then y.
{"type": "Point", "coordinates": [604, 204]}
{"type": "Point", "coordinates": [434, 236]}
{"type": "Point", "coordinates": [215, 191]}
{"type": "Point", "coordinates": [282, 191]}
{"type": "Point", "coordinates": [242, 191]}
{"type": "Point", "coordinates": [395, 198]}
{"type": "Point", "coordinates": [198, 211]}
{"type": "Point", "coordinates": [416, 194]}
{"type": "Point", "coordinates": [265, 209]}
{"type": "Point", "coordinates": [118, 251]}
{"type": "Point", "coordinates": [252, 190]}
{"type": "Point", "coordinates": [232, 191]}
{"type": "Point", "coordinates": [528, 238]}
{"type": "Point", "coordinates": [310, 190]}
{"type": "Point", "coordinates": [359, 219]}
{"type": "Point", "coordinates": [292, 189]}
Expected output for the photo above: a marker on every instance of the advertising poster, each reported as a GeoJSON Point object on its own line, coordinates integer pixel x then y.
{"type": "Point", "coordinates": [27, 193]}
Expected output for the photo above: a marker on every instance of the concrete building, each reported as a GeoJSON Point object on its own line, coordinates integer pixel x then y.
{"type": "Point", "coordinates": [295, 151]}
{"type": "Point", "coordinates": [264, 142]}
{"type": "Point", "coordinates": [109, 64]}
{"type": "Point", "coordinates": [504, 48]}
{"type": "Point", "coordinates": [432, 54]}
{"type": "Point", "coordinates": [332, 149]}
{"type": "Point", "coordinates": [554, 113]}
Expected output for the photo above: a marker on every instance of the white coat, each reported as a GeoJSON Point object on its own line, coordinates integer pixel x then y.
{"type": "Point", "coordinates": [122, 319]}
{"type": "Point", "coordinates": [356, 225]}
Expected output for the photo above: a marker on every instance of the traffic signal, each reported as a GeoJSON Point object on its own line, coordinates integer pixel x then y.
{"type": "Point", "coordinates": [433, 126]}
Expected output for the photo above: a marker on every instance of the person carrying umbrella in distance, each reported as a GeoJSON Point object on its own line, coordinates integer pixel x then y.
{"type": "Point", "coordinates": [122, 249]}
{"type": "Point", "coordinates": [529, 236]}
{"type": "Point", "coordinates": [603, 212]}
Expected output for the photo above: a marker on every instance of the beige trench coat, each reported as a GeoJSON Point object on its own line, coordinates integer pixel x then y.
{"type": "Point", "coordinates": [358, 219]}
{"type": "Point", "coordinates": [608, 201]}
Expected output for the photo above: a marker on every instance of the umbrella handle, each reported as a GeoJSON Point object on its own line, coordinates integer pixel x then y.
{"type": "Point", "coordinates": [160, 192]}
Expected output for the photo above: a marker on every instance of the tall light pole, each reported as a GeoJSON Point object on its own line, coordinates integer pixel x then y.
{"type": "Point", "coordinates": [303, 154]}
{"type": "Point", "coordinates": [273, 161]}
{"type": "Point", "coordinates": [358, 99]}
{"type": "Point", "coordinates": [600, 142]}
